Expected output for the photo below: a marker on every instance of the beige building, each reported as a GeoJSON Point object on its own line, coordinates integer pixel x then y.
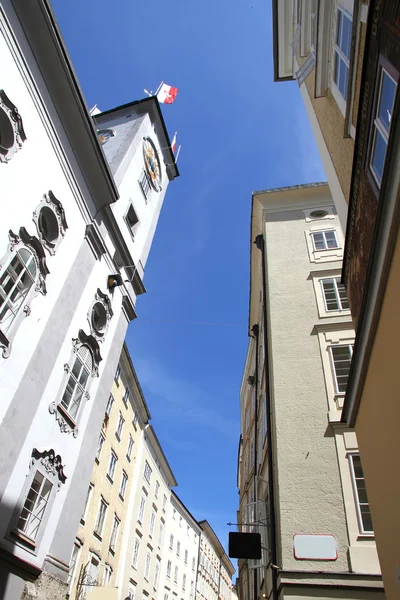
{"type": "Point", "coordinates": [300, 477]}
{"type": "Point", "coordinates": [136, 538]}
{"type": "Point", "coordinates": [215, 570]}
{"type": "Point", "coordinates": [320, 43]}
{"type": "Point", "coordinates": [99, 544]}
{"type": "Point", "coordinates": [345, 56]}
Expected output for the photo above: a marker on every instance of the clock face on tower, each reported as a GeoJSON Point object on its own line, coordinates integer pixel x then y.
{"type": "Point", "coordinates": [152, 163]}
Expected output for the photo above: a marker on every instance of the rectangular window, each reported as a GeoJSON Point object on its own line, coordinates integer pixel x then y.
{"type": "Point", "coordinates": [89, 494]}
{"type": "Point", "coordinates": [101, 515]}
{"type": "Point", "coordinates": [124, 482]}
{"type": "Point", "coordinates": [131, 593]}
{"type": "Point", "coordinates": [112, 465]}
{"type": "Point", "coordinates": [335, 296]}
{"type": "Point", "coordinates": [120, 426]}
{"type": "Point", "coordinates": [184, 582]}
{"type": "Point", "coordinates": [381, 126]}
{"type": "Point", "coordinates": [126, 396]}
{"type": "Point", "coordinates": [169, 569]}
{"type": "Point", "coordinates": [72, 564]}
{"type": "Point", "coordinates": [132, 220]}
{"type": "Point", "coordinates": [193, 563]}
{"type": "Point", "coordinates": [160, 535]}
{"type": "Point", "coordinates": [342, 52]}
{"type": "Point", "coordinates": [164, 503]}
{"type": "Point", "coordinates": [174, 514]}
{"type": "Point", "coordinates": [171, 542]}
{"type": "Point", "coordinates": [141, 508]}
{"type": "Point", "coordinates": [114, 534]}
{"type": "Point", "coordinates": [99, 446]}
{"type": "Point", "coordinates": [117, 374]}
{"type": "Point", "coordinates": [35, 506]}
{"type": "Point", "coordinates": [156, 574]}
{"type": "Point", "coordinates": [192, 588]}
{"type": "Point", "coordinates": [157, 489]}
{"type": "Point", "coordinates": [178, 548]}
{"type": "Point", "coordinates": [147, 472]}
{"type": "Point", "coordinates": [144, 184]}
{"type": "Point", "coordinates": [130, 448]}
{"type": "Point", "coordinates": [324, 240]}
{"type": "Point", "coordinates": [147, 566]}
{"type": "Point", "coordinates": [152, 523]}
{"type": "Point", "coordinates": [341, 361]}
{"type": "Point", "coordinates": [135, 557]}
{"type": "Point", "coordinates": [186, 557]}
{"type": "Point", "coordinates": [176, 575]}
{"type": "Point", "coordinates": [107, 575]}
{"type": "Point", "coordinates": [135, 419]}
{"type": "Point", "coordinates": [109, 405]}
{"type": "Point", "coordinates": [360, 494]}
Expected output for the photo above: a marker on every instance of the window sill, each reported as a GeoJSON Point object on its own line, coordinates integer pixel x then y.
{"type": "Point", "coordinates": [24, 539]}
{"type": "Point", "coordinates": [111, 551]}
{"type": "Point", "coordinates": [97, 536]}
{"type": "Point", "coordinates": [121, 498]}
{"type": "Point", "coordinates": [365, 537]}
{"type": "Point", "coordinates": [97, 460]}
{"type": "Point", "coordinates": [111, 481]}
{"type": "Point", "coordinates": [117, 436]}
{"type": "Point", "coordinates": [128, 458]}
{"type": "Point", "coordinates": [71, 422]}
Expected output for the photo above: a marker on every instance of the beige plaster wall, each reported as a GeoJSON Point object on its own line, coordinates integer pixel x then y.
{"type": "Point", "coordinates": [110, 491]}
{"type": "Point", "coordinates": [378, 436]}
{"type": "Point", "coordinates": [309, 487]}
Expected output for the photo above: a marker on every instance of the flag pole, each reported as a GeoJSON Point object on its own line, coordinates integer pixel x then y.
{"type": "Point", "coordinates": [177, 154]}
{"type": "Point", "coordinates": [159, 88]}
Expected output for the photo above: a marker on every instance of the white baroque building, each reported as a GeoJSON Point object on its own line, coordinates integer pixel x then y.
{"type": "Point", "coordinates": [81, 199]}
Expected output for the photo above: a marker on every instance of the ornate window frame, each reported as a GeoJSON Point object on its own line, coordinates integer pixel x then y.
{"type": "Point", "coordinates": [49, 464]}
{"type": "Point", "coordinates": [102, 303]}
{"type": "Point", "coordinates": [32, 244]}
{"type": "Point", "coordinates": [66, 422]}
{"type": "Point", "coordinates": [11, 128]}
{"type": "Point", "coordinates": [50, 203]}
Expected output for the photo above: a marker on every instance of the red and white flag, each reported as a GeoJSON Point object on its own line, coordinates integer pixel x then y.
{"type": "Point", "coordinates": [173, 144]}
{"type": "Point", "coordinates": [166, 94]}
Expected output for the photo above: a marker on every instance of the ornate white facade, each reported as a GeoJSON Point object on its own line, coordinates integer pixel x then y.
{"type": "Point", "coordinates": [76, 229]}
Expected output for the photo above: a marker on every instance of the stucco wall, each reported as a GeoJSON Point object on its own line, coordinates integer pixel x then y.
{"type": "Point", "coordinates": [309, 488]}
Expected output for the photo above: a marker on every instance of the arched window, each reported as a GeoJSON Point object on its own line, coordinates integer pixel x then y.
{"type": "Point", "coordinates": [23, 273]}
{"type": "Point", "coordinates": [15, 282]}
{"type": "Point", "coordinates": [80, 372]}
{"type": "Point", "coordinates": [77, 381]}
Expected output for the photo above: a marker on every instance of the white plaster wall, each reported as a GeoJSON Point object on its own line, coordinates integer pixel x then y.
{"type": "Point", "coordinates": [129, 190]}
{"type": "Point", "coordinates": [189, 540]}
{"type": "Point", "coordinates": [310, 496]}
{"type": "Point", "coordinates": [45, 432]}
{"type": "Point", "coordinates": [136, 528]}
{"type": "Point", "coordinates": [34, 170]}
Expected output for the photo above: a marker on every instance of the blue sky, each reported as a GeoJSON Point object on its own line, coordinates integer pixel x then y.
{"type": "Point", "coordinates": [239, 132]}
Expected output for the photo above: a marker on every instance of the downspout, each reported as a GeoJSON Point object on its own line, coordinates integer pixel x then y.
{"type": "Point", "coordinates": [260, 243]}
{"type": "Point", "coordinates": [255, 331]}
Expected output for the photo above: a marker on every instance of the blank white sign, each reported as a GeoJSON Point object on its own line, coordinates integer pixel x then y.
{"type": "Point", "coordinates": [315, 547]}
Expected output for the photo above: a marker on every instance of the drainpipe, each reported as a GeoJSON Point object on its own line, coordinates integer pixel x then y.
{"type": "Point", "coordinates": [255, 332]}
{"type": "Point", "coordinates": [259, 242]}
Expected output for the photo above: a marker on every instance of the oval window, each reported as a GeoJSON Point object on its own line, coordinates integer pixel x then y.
{"type": "Point", "coordinates": [318, 214]}
{"type": "Point", "coordinates": [48, 225]}
{"type": "Point", "coordinates": [99, 318]}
